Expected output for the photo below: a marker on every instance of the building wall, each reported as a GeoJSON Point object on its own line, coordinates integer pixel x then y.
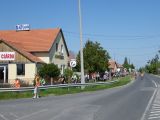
{"type": "Point", "coordinates": [12, 72]}
{"type": "Point", "coordinates": [54, 56]}
{"type": "Point", "coordinates": [43, 56]}
{"type": "Point", "coordinates": [63, 61]}
{"type": "Point", "coordinates": [30, 71]}
{"type": "Point", "coordinates": [18, 57]}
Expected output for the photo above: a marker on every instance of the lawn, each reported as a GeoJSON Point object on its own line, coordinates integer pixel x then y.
{"type": "Point", "coordinates": [66, 90]}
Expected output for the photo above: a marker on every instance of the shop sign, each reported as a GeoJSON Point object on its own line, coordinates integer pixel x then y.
{"type": "Point", "coordinates": [7, 55]}
{"type": "Point", "coordinates": [22, 27]}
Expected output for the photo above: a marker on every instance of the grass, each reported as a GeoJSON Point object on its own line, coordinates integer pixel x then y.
{"type": "Point", "coordinates": [62, 91]}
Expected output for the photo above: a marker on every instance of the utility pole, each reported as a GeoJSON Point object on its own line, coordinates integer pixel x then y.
{"type": "Point", "coordinates": [81, 44]}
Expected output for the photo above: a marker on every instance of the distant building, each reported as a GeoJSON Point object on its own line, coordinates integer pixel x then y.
{"type": "Point", "coordinates": [112, 66]}
{"type": "Point", "coordinates": [120, 67]}
{"type": "Point", "coordinates": [21, 52]}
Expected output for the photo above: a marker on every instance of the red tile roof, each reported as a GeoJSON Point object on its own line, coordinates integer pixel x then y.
{"type": "Point", "coordinates": [19, 49]}
{"type": "Point", "coordinates": [33, 40]}
{"type": "Point", "coordinates": [119, 65]}
{"type": "Point", "coordinates": [26, 42]}
{"type": "Point", "coordinates": [112, 64]}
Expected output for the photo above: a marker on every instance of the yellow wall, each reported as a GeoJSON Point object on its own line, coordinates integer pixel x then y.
{"type": "Point", "coordinates": [12, 72]}
{"type": "Point", "coordinates": [43, 56]}
{"type": "Point", "coordinates": [30, 71]}
{"type": "Point", "coordinates": [53, 52]}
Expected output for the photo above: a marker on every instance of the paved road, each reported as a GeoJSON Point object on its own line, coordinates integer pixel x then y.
{"type": "Point", "coordinates": [137, 101]}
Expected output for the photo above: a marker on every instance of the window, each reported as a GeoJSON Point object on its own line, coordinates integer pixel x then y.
{"type": "Point", "coordinates": [62, 49]}
{"type": "Point", "coordinates": [62, 69]}
{"type": "Point", "coordinates": [56, 47]}
{"type": "Point", "coordinates": [20, 69]}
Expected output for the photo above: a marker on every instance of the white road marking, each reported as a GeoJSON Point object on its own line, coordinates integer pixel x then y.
{"type": "Point", "coordinates": [154, 83]}
{"type": "Point", "coordinates": [13, 115]}
{"type": "Point", "coordinates": [149, 104]}
{"type": "Point", "coordinates": [155, 112]}
{"type": "Point", "coordinates": [26, 116]}
{"type": "Point", "coordinates": [2, 116]}
{"type": "Point", "coordinates": [156, 105]}
{"type": "Point", "coordinates": [153, 117]}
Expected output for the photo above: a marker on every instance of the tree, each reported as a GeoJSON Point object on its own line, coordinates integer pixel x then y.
{"type": "Point", "coordinates": [95, 58]}
{"type": "Point", "coordinates": [126, 64]}
{"type": "Point", "coordinates": [132, 66]}
{"type": "Point", "coordinates": [68, 74]}
{"type": "Point", "coordinates": [49, 70]}
{"type": "Point", "coordinates": [153, 65]}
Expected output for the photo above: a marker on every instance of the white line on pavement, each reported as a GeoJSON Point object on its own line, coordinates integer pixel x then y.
{"type": "Point", "coordinates": [2, 116]}
{"type": "Point", "coordinates": [156, 105]}
{"type": "Point", "coordinates": [155, 112]}
{"type": "Point", "coordinates": [149, 104]}
{"type": "Point", "coordinates": [13, 115]}
{"type": "Point", "coordinates": [26, 116]}
{"type": "Point", "coordinates": [153, 117]}
{"type": "Point", "coordinates": [154, 83]}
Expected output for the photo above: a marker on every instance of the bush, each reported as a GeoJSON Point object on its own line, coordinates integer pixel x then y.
{"type": "Point", "coordinates": [68, 74]}
{"type": "Point", "coordinates": [49, 71]}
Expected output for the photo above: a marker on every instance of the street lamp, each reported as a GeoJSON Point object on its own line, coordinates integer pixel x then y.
{"type": "Point", "coordinates": [81, 44]}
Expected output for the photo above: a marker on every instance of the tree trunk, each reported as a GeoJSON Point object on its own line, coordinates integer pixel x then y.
{"type": "Point", "coordinates": [51, 80]}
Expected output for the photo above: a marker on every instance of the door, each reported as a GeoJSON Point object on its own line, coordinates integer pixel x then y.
{"type": "Point", "coordinates": [3, 74]}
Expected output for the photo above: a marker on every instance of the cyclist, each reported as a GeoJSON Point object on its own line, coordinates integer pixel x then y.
{"type": "Point", "coordinates": [142, 75]}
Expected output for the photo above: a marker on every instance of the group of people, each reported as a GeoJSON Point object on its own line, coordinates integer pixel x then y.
{"type": "Point", "coordinates": [17, 83]}
{"type": "Point", "coordinates": [97, 76]}
{"type": "Point", "coordinates": [36, 83]}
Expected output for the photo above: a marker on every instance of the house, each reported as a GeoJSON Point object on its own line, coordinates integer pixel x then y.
{"type": "Point", "coordinates": [23, 51]}
{"type": "Point", "coordinates": [112, 66]}
{"type": "Point", "coordinates": [120, 67]}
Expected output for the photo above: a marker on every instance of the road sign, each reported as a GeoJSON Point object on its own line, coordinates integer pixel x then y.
{"type": "Point", "coordinates": [73, 63]}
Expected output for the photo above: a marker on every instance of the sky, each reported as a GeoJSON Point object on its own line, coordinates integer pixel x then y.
{"type": "Point", "coordinates": [125, 28]}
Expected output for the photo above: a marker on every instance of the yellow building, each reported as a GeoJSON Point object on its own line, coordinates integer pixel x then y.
{"type": "Point", "coordinates": [22, 51]}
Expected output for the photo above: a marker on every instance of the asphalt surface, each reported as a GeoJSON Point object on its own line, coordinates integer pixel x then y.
{"type": "Point", "coordinates": [137, 101]}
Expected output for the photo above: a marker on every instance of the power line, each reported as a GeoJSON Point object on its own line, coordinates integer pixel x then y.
{"type": "Point", "coordinates": [113, 39]}
{"type": "Point", "coordinates": [141, 55]}
{"type": "Point", "coordinates": [135, 48]}
{"type": "Point", "coordinates": [86, 35]}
